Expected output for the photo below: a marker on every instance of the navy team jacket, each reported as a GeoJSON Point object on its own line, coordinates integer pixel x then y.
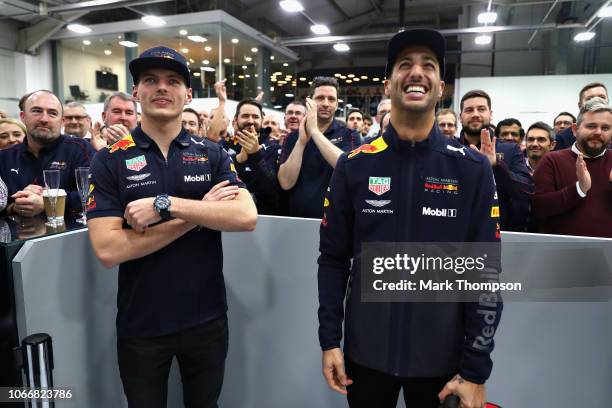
{"type": "Point", "coordinates": [406, 339]}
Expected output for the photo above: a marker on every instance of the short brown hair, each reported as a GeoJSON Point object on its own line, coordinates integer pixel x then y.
{"type": "Point", "coordinates": [324, 81]}
{"type": "Point", "coordinates": [476, 93]}
{"type": "Point", "coordinates": [589, 86]}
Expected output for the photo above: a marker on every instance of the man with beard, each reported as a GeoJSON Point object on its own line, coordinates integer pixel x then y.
{"type": "Point", "coordinates": [567, 137]}
{"type": "Point", "coordinates": [310, 154]}
{"type": "Point", "coordinates": [44, 147]}
{"type": "Point", "coordinates": [514, 184]}
{"type": "Point", "coordinates": [191, 121]}
{"type": "Point", "coordinates": [573, 187]}
{"type": "Point", "coordinates": [76, 120]}
{"type": "Point", "coordinates": [256, 157]}
{"type": "Point", "coordinates": [386, 192]}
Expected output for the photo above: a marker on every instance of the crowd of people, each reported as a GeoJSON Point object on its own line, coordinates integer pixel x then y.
{"type": "Point", "coordinates": [286, 163]}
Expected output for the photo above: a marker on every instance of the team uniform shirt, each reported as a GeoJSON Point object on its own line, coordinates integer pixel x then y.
{"type": "Point", "coordinates": [259, 172]}
{"type": "Point", "coordinates": [180, 285]}
{"type": "Point", "coordinates": [514, 184]}
{"type": "Point", "coordinates": [305, 199]}
{"type": "Point", "coordinates": [20, 168]}
{"type": "Point", "coordinates": [397, 191]}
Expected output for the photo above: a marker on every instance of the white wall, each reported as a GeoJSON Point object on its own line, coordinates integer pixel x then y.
{"type": "Point", "coordinates": [530, 98]}
{"type": "Point", "coordinates": [79, 68]}
{"type": "Point", "coordinates": [7, 90]}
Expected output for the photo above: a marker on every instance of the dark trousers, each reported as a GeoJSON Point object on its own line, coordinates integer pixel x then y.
{"type": "Point", "coordinates": [375, 389]}
{"type": "Point", "coordinates": [144, 365]}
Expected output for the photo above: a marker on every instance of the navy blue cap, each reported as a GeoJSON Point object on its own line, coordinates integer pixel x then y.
{"type": "Point", "coordinates": [160, 57]}
{"type": "Point", "coordinates": [420, 36]}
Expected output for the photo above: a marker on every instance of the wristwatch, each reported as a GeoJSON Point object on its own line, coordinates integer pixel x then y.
{"type": "Point", "coordinates": [162, 206]}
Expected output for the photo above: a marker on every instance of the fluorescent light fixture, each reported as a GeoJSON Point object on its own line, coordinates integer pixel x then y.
{"type": "Point", "coordinates": [78, 28]}
{"type": "Point", "coordinates": [271, 89]}
{"type": "Point", "coordinates": [248, 59]}
{"type": "Point", "coordinates": [319, 29]}
{"type": "Point", "coordinates": [302, 78]}
{"type": "Point", "coordinates": [235, 41]}
{"type": "Point", "coordinates": [342, 76]}
{"type": "Point", "coordinates": [584, 36]}
{"type": "Point", "coordinates": [86, 42]}
{"type": "Point", "coordinates": [208, 69]}
{"type": "Point", "coordinates": [349, 81]}
{"type": "Point", "coordinates": [208, 48]}
{"type": "Point", "coordinates": [244, 67]}
{"type": "Point", "coordinates": [341, 47]}
{"type": "Point", "coordinates": [337, 75]}
{"type": "Point", "coordinates": [240, 76]}
{"type": "Point", "coordinates": [277, 73]}
{"type": "Point", "coordinates": [364, 77]}
{"type": "Point", "coordinates": [340, 100]}
{"type": "Point", "coordinates": [247, 75]}
{"type": "Point", "coordinates": [487, 17]}
{"type": "Point", "coordinates": [191, 60]}
{"type": "Point", "coordinates": [128, 44]}
{"type": "Point", "coordinates": [256, 75]}
{"type": "Point", "coordinates": [197, 38]}
{"type": "Point", "coordinates": [291, 6]}
{"type": "Point", "coordinates": [285, 64]}
{"type": "Point", "coordinates": [196, 74]}
{"type": "Point", "coordinates": [356, 79]}
{"type": "Point", "coordinates": [351, 76]}
{"type": "Point", "coordinates": [254, 49]}
{"type": "Point", "coordinates": [375, 79]}
{"type": "Point", "coordinates": [227, 60]}
{"type": "Point", "coordinates": [183, 32]}
{"type": "Point", "coordinates": [205, 62]}
{"type": "Point", "coordinates": [289, 95]}
{"type": "Point", "coordinates": [233, 84]}
{"type": "Point", "coordinates": [607, 12]}
{"type": "Point", "coordinates": [107, 52]}
{"type": "Point", "coordinates": [272, 57]}
{"type": "Point", "coordinates": [153, 21]}
{"type": "Point", "coordinates": [483, 39]}
{"type": "Point", "coordinates": [276, 106]}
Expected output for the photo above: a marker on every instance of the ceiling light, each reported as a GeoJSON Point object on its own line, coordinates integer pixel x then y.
{"type": "Point", "coordinates": [248, 59]}
{"type": "Point", "coordinates": [184, 50]}
{"type": "Point", "coordinates": [375, 79]}
{"type": "Point", "coordinates": [196, 74]}
{"type": "Point", "coordinates": [153, 21]}
{"type": "Point", "coordinates": [107, 52]}
{"type": "Point", "coordinates": [487, 17]}
{"type": "Point", "coordinates": [289, 95]}
{"type": "Point", "coordinates": [319, 29]}
{"type": "Point", "coordinates": [483, 39]}
{"type": "Point", "coordinates": [340, 100]}
{"type": "Point", "coordinates": [128, 44]}
{"type": "Point", "coordinates": [351, 75]}
{"type": "Point", "coordinates": [205, 62]}
{"type": "Point", "coordinates": [607, 12]}
{"type": "Point", "coordinates": [208, 48]}
{"type": "Point", "coordinates": [341, 47]}
{"type": "Point", "coordinates": [227, 60]}
{"type": "Point", "coordinates": [207, 69]}
{"type": "Point", "coordinates": [356, 79]}
{"type": "Point", "coordinates": [364, 77]}
{"type": "Point", "coordinates": [271, 89]}
{"type": "Point", "coordinates": [240, 76]}
{"type": "Point", "coordinates": [86, 42]}
{"type": "Point", "coordinates": [337, 75]}
{"type": "Point", "coordinates": [302, 78]}
{"type": "Point", "coordinates": [348, 81]}
{"type": "Point", "coordinates": [310, 83]}
{"type": "Point", "coordinates": [272, 57]}
{"type": "Point", "coordinates": [247, 76]}
{"type": "Point", "coordinates": [277, 106]}
{"type": "Point", "coordinates": [197, 38]}
{"type": "Point", "coordinates": [584, 36]}
{"type": "Point", "coordinates": [78, 28]}
{"type": "Point", "coordinates": [256, 75]}
{"type": "Point", "coordinates": [277, 73]}
{"type": "Point", "coordinates": [342, 76]}
{"type": "Point", "coordinates": [183, 32]}
{"type": "Point", "coordinates": [244, 67]}
{"type": "Point", "coordinates": [285, 64]}
{"type": "Point", "coordinates": [233, 84]}
{"type": "Point", "coordinates": [191, 60]}
{"type": "Point", "coordinates": [291, 6]}
{"type": "Point", "coordinates": [254, 49]}
{"type": "Point", "coordinates": [235, 41]}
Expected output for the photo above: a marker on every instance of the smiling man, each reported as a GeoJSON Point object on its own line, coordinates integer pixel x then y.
{"type": "Point", "coordinates": [310, 154]}
{"type": "Point", "coordinates": [383, 192]}
{"type": "Point", "coordinates": [573, 187]}
{"type": "Point", "coordinates": [44, 147]}
{"type": "Point", "coordinates": [158, 201]}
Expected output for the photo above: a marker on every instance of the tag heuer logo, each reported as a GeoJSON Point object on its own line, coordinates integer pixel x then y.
{"type": "Point", "coordinates": [137, 163]}
{"type": "Point", "coordinates": [379, 185]}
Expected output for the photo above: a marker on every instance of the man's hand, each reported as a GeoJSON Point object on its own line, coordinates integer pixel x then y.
{"type": "Point", "coordinates": [97, 139]}
{"type": "Point", "coordinates": [114, 133]}
{"type": "Point", "coordinates": [312, 126]}
{"type": "Point", "coordinates": [248, 140]}
{"type": "Point", "coordinates": [34, 188]}
{"type": "Point", "coordinates": [222, 192]}
{"type": "Point", "coordinates": [487, 146]}
{"type": "Point", "coordinates": [139, 214]}
{"type": "Point", "coordinates": [303, 137]}
{"type": "Point", "coordinates": [472, 395]}
{"type": "Point", "coordinates": [583, 175]}
{"type": "Point", "coordinates": [333, 370]}
{"type": "Point", "coordinates": [28, 203]}
{"type": "Point", "coordinates": [259, 96]}
{"type": "Point", "coordinates": [221, 90]}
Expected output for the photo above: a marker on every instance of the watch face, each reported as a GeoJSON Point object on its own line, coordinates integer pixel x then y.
{"type": "Point", "coordinates": [162, 202]}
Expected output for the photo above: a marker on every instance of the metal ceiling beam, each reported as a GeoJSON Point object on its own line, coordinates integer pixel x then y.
{"type": "Point", "coordinates": [337, 7]}
{"type": "Point", "coordinates": [94, 5]}
{"type": "Point", "coordinates": [32, 37]}
{"type": "Point", "coordinates": [297, 42]}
